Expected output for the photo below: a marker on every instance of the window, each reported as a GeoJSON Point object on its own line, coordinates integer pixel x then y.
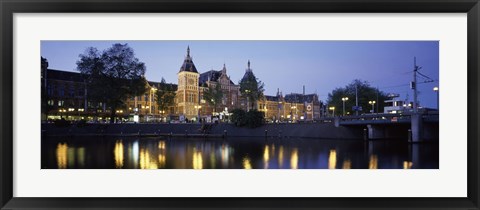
{"type": "Point", "coordinates": [51, 102]}
{"type": "Point", "coordinates": [61, 91]}
{"type": "Point", "coordinates": [60, 103]}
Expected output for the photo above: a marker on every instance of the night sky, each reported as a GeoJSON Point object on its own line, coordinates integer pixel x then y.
{"type": "Point", "coordinates": [288, 65]}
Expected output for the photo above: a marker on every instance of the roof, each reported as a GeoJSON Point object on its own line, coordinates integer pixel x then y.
{"type": "Point", "coordinates": [188, 64]}
{"type": "Point", "coordinates": [157, 85]}
{"type": "Point", "coordinates": [271, 98]}
{"type": "Point", "coordinates": [64, 75]}
{"type": "Point", "coordinates": [212, 75]}
{"type": "Point", "coordinates": [300, 98]}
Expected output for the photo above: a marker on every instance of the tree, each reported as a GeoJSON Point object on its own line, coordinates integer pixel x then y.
{"type": "Point", "coordinates": [112, 76]}
{"type": "Point", "coordinates": [366, 93]}
{"type": "Point", "coordinates": [213, 96]}
{"type": "Point", "coordinates": [165, 96]}
{"type": "Point", "coordinates": [251, 88]}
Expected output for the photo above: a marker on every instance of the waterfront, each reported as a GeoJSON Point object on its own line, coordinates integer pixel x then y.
{"type": "Point", "coordinates": [234, 153]}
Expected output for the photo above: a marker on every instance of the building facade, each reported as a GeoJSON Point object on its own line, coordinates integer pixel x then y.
{"type": "Point", "coordinates": [64, 95]}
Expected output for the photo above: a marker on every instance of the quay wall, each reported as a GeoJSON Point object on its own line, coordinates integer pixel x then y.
{"type": "Point", "coordinates": [307, 130]}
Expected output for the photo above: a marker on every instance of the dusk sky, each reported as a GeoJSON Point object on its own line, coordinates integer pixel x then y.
{"type": "Point", "coordinates": [288, 65]}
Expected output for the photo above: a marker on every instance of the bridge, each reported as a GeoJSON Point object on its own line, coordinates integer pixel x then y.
{"type": "Point", "coordinates": [414, 126]}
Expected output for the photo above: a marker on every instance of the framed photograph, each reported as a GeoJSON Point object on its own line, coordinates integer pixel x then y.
{"type": "Point", "coordinates": [239, 105]}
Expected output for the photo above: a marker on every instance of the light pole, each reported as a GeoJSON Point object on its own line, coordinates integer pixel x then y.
{"type": "Point", "coordinates": [344, 99]}
{"type": "Point", "coordinates": [437, 91]}
{"type": "Point", "coordinates": [333, 110]}
{"type": "Point", "coordinates": [373, 105]}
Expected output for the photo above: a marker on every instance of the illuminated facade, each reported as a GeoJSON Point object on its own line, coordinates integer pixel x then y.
{"type": "Point", "coordinates": [64, 95]}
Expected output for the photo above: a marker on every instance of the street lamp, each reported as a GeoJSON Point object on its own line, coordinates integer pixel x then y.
{"type": "Point", "coordinates": [198, 107]}
{"type": "Point", "coordinates": [372, 103]}
{"type": "Point", "coordinates": [437, 91]}
{"type": "Point", "coordinates": [344, 99]}
{"type": "Point", "coordinates": [333, 110]}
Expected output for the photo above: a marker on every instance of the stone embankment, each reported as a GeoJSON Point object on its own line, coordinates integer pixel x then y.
{"type": "Point", "coordinates": [308, 130]}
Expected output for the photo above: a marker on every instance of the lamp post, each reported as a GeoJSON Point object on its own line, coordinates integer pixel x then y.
{"type": "Point", "coordinates": [343, 100]}
{"type": "Point", "coordinates": [373, 105]}
{"type": "Point", "coordinates": [333, 110]}
{"type": "Point", "coordinates": [437, 91]}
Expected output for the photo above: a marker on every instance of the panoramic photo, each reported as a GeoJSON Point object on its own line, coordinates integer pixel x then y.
{"type": "Point", "coordinates": [239, 104]}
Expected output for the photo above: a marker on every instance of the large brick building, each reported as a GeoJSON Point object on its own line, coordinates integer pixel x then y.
{"type": "Point", "coordinates": [64, 95]}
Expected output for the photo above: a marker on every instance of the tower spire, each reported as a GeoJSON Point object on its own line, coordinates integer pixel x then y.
{"type": "Point", "coordinates": [249, 64]}
{"type": "Point", "coordinates": [188, 51]}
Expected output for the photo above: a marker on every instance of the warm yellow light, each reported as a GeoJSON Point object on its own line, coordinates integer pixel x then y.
{"type": "Point", "coordinates": [332, 159]}
{"type": "Point", "coordinates": [373, 162]}
{"type": "Point", "coordinates": [332, 108]}
{"type": "Point", "coordinates": [246, 163]}
{"type": "Point", "coordinates": [118, 154]}
{"type": "Point", "coordinates": [62, 155]}
{"type": "Point", "coordinates": [294, 159]}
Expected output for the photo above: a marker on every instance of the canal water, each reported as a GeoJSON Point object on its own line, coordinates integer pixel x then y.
{"type": "Point", "coordinates": [234, 153]}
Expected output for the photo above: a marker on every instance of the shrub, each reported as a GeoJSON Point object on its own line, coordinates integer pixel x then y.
{"type": "Point", "coordinates": [255, 118]}
{"type": "Point", "coordinates": [239, 117]}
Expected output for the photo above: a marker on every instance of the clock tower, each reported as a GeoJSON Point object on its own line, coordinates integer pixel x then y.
{"type": "Point", "coordinates": [188, 90]}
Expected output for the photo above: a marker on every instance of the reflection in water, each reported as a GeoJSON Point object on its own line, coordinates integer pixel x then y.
{"type": "Point", "coordinates": [197, 159]}
{"type": "Point", "coordinates": [225, 155]}
{"type": "Point", "coordinates": [294, 159]}
{"type": "Point", "coordinates": [232, 153]}
{"type": "Point", "coordinates": [373, 162]}
{"type": "Point", "coordinates": [118, 153]}
{"type": "Point", "coordinates": [145, 161]}
{"type": "Point", "coordinates": [347, 164]}
{"type": "Point", "coordinates": [246, 163]}
{"type": "Point", "coordinates": [161, 145]}
{"type": "Point", "coordinates": [407, 165]}
{"type": "Point", "coordinates": [280, 157]}
{"type": "Point", "coordinates": [62, 149]}
{"type": "Point", "coordinates": [266, 157]}
{"type": "Point", "coordinates": [332, 159]}
{"type": "Point", "coordinates": [81, 157]}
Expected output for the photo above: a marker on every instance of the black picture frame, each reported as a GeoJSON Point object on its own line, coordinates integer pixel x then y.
{"type": "Point", "coordinates": [10, 7]}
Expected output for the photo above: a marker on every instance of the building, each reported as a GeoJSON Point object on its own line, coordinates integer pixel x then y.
{"type": "Point", "coordinates": [291, 107]}
{"type": "Point", "coordinates": [65, 95]}
{"type": "Point", "coordinates": [231, 93]}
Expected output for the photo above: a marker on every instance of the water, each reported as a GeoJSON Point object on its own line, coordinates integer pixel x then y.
{"type": "Point", "coordinates": [234, 153]}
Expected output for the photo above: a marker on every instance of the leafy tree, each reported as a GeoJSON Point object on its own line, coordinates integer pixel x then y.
{"type": "Point", "coordinates": [213, 96]}
{"type": "Point", "coordinates": [252, 118]}
{"type": "Point", "coordinates": [366, 93]}
{"type": "Point", "coordinates": [251, 88]}
{"type": "Point", "coordinates": [165, 95]}
{"type": "Point", "coordinates": [112, 76]}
